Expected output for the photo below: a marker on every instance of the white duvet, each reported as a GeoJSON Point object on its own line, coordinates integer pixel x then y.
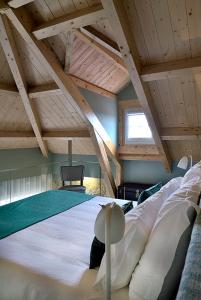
{"type": "Point", "coordinates": [50, 260]}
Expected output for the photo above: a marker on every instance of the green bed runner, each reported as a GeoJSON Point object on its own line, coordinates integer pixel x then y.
{"type": "Point", "coordinates": [23, 213]}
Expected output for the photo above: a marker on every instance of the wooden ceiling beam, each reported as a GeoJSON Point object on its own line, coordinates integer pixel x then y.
{"type": "Point", "coordinates": [138, 149]}
{"type": "Point", "coordinates": [12, 56]}
{"type": "Point", "coordinates": [181, 134]}
{"type": "Point", "coordinates": [66, 134]}
{"type": "Point", "coordinates": [63, 81]}
{"type": "Point", "coordinates": [92, 87]}
{"type": "Point", "coordinates": [118, 18]}
{"type": "Point", "coordinates": [171, 69]}
{"type": "Point", "coordinates": [18, 3]}
{"type": "Point", "coordinates": [46, 135]}
{"type": "Point", "coordinates": [44, 90]}
{"type": "Point", "coordinates": [9, 89]}
{"type": "Point", "coordinates": [79, 18]}
{"type": "Point", "coordinates": [101, 39]}
{"type": "Point", "coordinates": [153, 157]}
{"type": "Point", "coordinates": [52, 89]}
{"type": "Point", "coordinates": [113, 57]}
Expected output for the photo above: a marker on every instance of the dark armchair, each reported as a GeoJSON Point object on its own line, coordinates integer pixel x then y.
{"type": "Point", "coordinates": [73, 173]}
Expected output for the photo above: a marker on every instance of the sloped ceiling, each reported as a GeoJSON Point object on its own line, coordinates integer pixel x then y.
{"type": "Point", "coordinates": [164, 31]}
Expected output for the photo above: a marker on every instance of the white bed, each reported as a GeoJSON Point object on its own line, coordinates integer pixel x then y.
{"type": "Point", "coordinates": [50, 260]}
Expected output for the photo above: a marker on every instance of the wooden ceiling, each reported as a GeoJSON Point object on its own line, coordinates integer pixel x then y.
{"type": "Point", "coordinates": [160, 51]}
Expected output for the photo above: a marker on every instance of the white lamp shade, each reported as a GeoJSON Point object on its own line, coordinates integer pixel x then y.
{"type": "Point", "coordinates": [183, 163]}
{"type": "Point", "coordinates": [117, 223]}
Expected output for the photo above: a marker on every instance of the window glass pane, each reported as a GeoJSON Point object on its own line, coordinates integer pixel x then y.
{"type": "Point", "coordinates": [138, 126]}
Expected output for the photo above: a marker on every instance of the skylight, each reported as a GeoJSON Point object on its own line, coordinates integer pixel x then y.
{"type": "Point", "coordinates": [138, 126]}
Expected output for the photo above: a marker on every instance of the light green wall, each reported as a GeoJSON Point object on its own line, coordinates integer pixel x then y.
{"type": "Point", "coordinates": [21, 158]}
{"type": "Point", "coordinates": [106, 111]}
{"type": "Point", "coordinates": [127, 93]}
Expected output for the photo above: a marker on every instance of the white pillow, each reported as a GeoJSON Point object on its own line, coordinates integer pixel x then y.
{"type": "Point", "coordinates": [126, 253]}
{"type": "Point", "coordinates": [194, 173]}
{"type": "Point", "coordinates": [172, 221]}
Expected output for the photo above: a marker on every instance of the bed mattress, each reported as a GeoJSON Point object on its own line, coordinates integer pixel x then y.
{"type": "Point", "coordinates": [50, 260]}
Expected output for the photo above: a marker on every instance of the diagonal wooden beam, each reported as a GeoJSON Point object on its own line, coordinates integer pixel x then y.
{"type": "Point", "coordinates": [104, 162]}
{"type": "Point", "coordinates": [101, 39]}
{"type": "Point", "coordinates": [102, 50]}
{"type": "Point", "coordinates": [171, 69]}
{"type": "Point", "coordinates": [119, 22]}
{"type": "Point", "coordinates": [76, 19]}
{"type": "Point", "coordinates": [92, 87]}
{"type": "Point", "coordinates": [18, 3]}
{"type": "Point", "coordinates": [10, 50]}
{"type": "Point", "coordinates": [63, 81]}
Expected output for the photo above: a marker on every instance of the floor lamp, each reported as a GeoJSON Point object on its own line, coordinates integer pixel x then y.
{"type": "Point", "coordinates": [183, 163]}
{"type": "Point", "coordinates": [109, 229]}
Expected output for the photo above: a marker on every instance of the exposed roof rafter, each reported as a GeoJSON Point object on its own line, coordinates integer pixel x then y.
{"type": "Point", "coordinates": [119, 22]}
{"type": "Point", "coordinates": [52, 89]}
{"type": "Point", "coordinates": [10, 50]}
{"type": "Point", "coordinates": [46, 135]}
{"type": "Point", "coordinates": [171, 69]}
{"type": "Point", "coordinates": [79, 18]}
{"type": "Point", "coordinates": [18, 3]}
{"type": "Point", "coordinates": [102, 39]}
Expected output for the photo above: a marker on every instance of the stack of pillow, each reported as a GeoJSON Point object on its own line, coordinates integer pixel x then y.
{"type": "Point", "coordinates": [151, 255]}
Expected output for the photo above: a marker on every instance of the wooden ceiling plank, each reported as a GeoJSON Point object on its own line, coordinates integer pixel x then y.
{"type": "Point", "coordinates": [119, 22]}
{"type": "Point", "coordinates": [18, 3]}
{"type": "Point", "coordinates": [10, 50]}
{"type": "Point", "coordinates": [102, 50]}
{"type": "Point", "coordinates": [64, 82]}
{"type": "Point", "coordinates": [171, 69]}
{"type": "Point", "coordinates": [79, 18]}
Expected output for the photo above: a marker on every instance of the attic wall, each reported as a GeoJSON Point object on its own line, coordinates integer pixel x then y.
{"type": "Point", "coordinates": [22, 158]}
{"type": "Point", "coordinates": [149, 171]}
{"type": "Point", "coordinates": [106, 111]}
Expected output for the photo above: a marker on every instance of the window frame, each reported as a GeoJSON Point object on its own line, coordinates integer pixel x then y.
{"type": "Point", "coordinates": [133, 141]}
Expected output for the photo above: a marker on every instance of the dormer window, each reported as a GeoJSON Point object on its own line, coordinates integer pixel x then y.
{"type": "Point", "coordinates": [137, 130]}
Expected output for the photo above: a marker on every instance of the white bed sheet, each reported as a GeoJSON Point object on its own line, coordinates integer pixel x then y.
{"type": "Point", "coordinates": [50, 260]}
